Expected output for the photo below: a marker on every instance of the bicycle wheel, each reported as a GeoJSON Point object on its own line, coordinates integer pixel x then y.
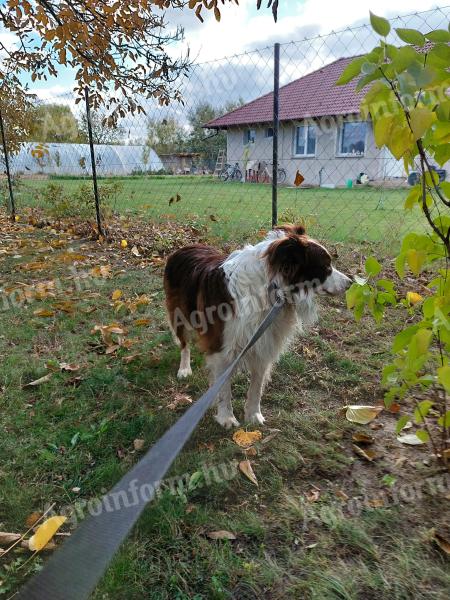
{"type": "Point", "coordinates": [237, 175]}
{"type": "Point", "coordinates": [224, 175]}
{"type": "Point", "coordinates": [282, 175]}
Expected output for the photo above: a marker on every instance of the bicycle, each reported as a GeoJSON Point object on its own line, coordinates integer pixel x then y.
{"type": "Point", "coordinates": [231, 173]}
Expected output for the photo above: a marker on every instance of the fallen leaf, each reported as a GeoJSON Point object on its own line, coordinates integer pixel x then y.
{"type": "Point", "coordinates": [363, 438]}
{"type": "Point", "coordinates": [362, 414]}
{"type": "Point", "coordinates": [142, 322]}
{"type": "Point", "coordinates": [245, 439]}
{"type": "Point", "coordinates": [443, 543]}
{"type": "Point", "coordinates": [410, 439]}
{"type": "Point", "coordinates": [69, 367]}
{"type": "Point", "coordinates": [221, 535]}
{"type": "Point", "coordinates": [9, 538]}
{"type": "Point", "coordinates": [246, 468]}
{"type": "Point", "coordinates": [179, 400]}
{"type": "Point", "coordinates": [130, 358]}
{"type": "Point", "coordinates": [342, 495]}
{"type": "Point", "coordinates": [116, 295]}
{"type": "Point", "coordinates": [313, 495]}
{"type": "Point", "coordinates": [138, 444]}
{"type": "Point", "coordinates": [369, 455]}
{"type": "Point", "coordinates": [135, 251]}
{"type": "Point", "coordinates": [413, 298]}
{"type": "Point", "coordinates": [251, 451]}
{"type": "Point", "coordinates": [65, 306]}
{"type": "Point", "coordinates": [39, 381]}
{"type": "Point", "coordinates": [123, 244]}
{"type": "Point", "coordinates": [43, 312]}
{"type": "Point", "coordinates": [32, 518]}
{"type": "Point", "coordinates": [45, 533]}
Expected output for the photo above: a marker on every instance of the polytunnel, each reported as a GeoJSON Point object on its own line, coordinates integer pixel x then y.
{"type": "Point", "coordinates": [75, 159]}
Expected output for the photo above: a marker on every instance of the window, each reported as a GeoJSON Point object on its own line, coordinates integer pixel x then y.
{"type": "Point", "coordinates": [352, 139]}
{"type": "Point", "coordinates": [269, 132]}
{"type": "Point", "coordinates": [249, 136]}
{"type": "Point", "coordinates": [305, 140]}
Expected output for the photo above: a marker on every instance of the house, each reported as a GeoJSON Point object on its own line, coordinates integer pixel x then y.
{"type": "Point", "coordinates": [322, 134]}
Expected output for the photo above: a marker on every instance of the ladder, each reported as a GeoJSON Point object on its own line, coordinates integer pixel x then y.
{"type": "Point", "coordinates": [220, 163]}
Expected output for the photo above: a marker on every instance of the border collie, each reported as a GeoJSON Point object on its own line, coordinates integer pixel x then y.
{"type": "Point", "coordinates": [223, 299]}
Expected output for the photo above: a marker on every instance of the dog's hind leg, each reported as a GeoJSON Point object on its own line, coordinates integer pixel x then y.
{"type": "Point", "coordinates": [185, 361]}
{"type": "Point", "coordinates": [259, 376]}
{"type": "Point", "coordinates": [225, 415]}
{"type": "Point", "coordinates": [181, 336]}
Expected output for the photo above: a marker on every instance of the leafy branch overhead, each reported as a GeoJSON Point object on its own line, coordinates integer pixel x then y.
{"type": "Point", "coordinates": [408, 102]}
{"type": "Point", "coordinates": [121, 50]}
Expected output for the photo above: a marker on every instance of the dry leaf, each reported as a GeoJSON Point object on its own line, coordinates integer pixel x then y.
{"type": "Point", "coordinates": [245, 439]}
{"type": "Point", "coordinates": [135, 251]}
{"type": "Point", "coordinates": [410, 439]}
{"type": "Point", "coordinates": [313, 495]}
{"type": "Point", "coordinates": [43, 312]}
{"type": "Point", "coordinates": [251, 451]}
{"type": "Point", "coordinates": [31, 519]}
{"type": "Point", "coordinates": [138, 444]}
{"type": "Point", "coordinates": [179, 401]}
{"type": "Point", "coordinates": [443, 543]}
{"type": "Point", "coordinates": [362, 414]}
{"type": "Point", "coordinates": [369, 455]}
{"type": "Point", "coordinates": [69, 367]}
{"type": "Point", "coordinates": [45, 532]}
{"type": "Point", "coordinates": [221, 535]}
{"type": "Point", "coordinates": [130, 358]}
{"type": "Point", "coordinates": [142, 322]}
{"type": "Point", "coordinates": [341, 495]}
{"type": "Point", "coordinates": [246, 468]}
{"type": "Point", "coordinates": [9, 538]}
{"type": "Point", "coordinates": [37, 382]}
{"type": "Point", "coordinates": [363, 438]}
{"type": "Point", "coordinates": [116, 295]}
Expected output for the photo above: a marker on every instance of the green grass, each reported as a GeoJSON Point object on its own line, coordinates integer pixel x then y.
{"type": "Point", "coordinates": [358, 214]}
{"type": "Point", "coordinates": [68, 440]}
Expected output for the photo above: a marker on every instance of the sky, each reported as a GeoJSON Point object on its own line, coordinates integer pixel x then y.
{"type": "Point", "coordinates": [243, 28]}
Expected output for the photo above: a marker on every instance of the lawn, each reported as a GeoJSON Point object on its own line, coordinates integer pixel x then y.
{"type": "Point", "coordinates": [322, 523]}
{"type": "Point", "coordinates": [231, 209]}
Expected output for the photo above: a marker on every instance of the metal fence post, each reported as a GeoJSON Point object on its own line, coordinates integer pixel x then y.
{"type": "Point", "coordinates": [276, 130]}
{"type": "Point", "coordinates": [93, 165]}
{"type": "Point", "coordinates": [12, 206]}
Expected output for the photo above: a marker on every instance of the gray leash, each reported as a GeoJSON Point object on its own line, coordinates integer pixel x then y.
{"type": "Point", "coordinates": [76, 568]}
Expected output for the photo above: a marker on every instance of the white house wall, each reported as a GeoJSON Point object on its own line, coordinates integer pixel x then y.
{"type": "Point", "coordinates": [325, 167]}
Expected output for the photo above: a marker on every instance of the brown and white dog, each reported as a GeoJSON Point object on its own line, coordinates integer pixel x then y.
{"type": "Point", "coordinates": [223, 299]}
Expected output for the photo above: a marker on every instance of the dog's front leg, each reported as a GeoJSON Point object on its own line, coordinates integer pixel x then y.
{"type": "Point", "coordinates": [258, 379]}
{"type": "Point", "coordinates": [225, 415]}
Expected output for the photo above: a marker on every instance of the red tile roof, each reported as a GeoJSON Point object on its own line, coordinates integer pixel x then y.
{"type": "Point", "coordinates": [314, 95]}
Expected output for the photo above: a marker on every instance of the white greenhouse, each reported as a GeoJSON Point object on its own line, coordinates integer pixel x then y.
{"type": "Point", "coordinates": [75, 159]}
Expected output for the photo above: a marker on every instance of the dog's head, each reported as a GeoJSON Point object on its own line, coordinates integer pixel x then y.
{"type": "Point", "coordinates": [301, 264]}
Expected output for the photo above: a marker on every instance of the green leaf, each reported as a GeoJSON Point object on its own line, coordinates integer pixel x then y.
{"type": "Point", "coordinates": [423, 436]}
{"type": "Point", "coordinates": [422, 340]}
{"type": "Point", "coordinates": [351, 71]}
{"type": "Point", "coordinates": [438, 35]}
{"type": "Point", "coordinates": [382, 129]}
{"type": "Point", "coordinates": [421, 121]}
{"type": "Point", "coordinates": [387, 284]}
{"type": "Point", "coordinates": [413, 198]}
{"type": "Point", "coordinates": [353, 295]}
{"type": "Point", "coordinates": [403, 420]}
{"type": "Point", "coordinates": [444, 421]}
{"type": "Point", "coordinates": [411, 36]}
{"type": "Point", "coordinates": [400, 264]}
{"type": "Point", "coordinates": [422, 410]}
{"type": "Point", "coordinates": [405, 57]}
{"type": "Point", "coordinates": [444, 377]}
{"type": "Point", "coordinates": [380, 25]}
{"type": "Point", "coordinates": [403, 338]}
{"type": "Point", "coordinates": [372, 267]}
{"type": "Point", "coordinates": [415, 259]}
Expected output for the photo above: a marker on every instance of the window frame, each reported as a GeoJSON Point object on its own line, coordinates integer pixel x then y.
{"type": "Point", "coordinates": [340, 133]}
{"type": "Point", "coordinates": [247, 136]}
{"type": "Point", "coordinates": [306, 127]}
{"type": "Point", "coordinates": [267, 131]}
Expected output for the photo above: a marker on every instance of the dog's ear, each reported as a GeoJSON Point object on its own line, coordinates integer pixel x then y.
{"type": "Point", "coordinates": [287, 257]}
{"type": "Point", "coordinates": [291, 229]}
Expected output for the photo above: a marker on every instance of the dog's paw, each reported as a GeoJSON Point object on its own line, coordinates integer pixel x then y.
{"type": "Point", "coordinates": [255, 418]}
{"type": "Point", "coordinates": [227, 421]}
{"type": "Point", "coordinates": [184, 373]}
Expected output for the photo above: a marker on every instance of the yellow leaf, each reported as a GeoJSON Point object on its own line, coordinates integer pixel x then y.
{"type": "Point", "coordinates": [245, 439]}
{"type": "Point", "coordinates": [45, 532]}
{"type": "Point", "coordinates": [123, 244]}
{"type": "Point", "coordinates": [117, 294]}
{"type": "Point", "coordinates": [42, 312]}
{"type": "Point", "coordinates": [421, 120]}
{"type": "Point", "coordinates": [362, 414]}
{"type": "Point", "coordinates": [246, 468]}
{"type": "Point", "coordinates": [142, 322]}
{"type": "Point", "coordinates": [413, 298]}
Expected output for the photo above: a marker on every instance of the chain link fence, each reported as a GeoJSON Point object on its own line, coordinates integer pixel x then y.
{"type": "Point", "coordinates": [210, 159]}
